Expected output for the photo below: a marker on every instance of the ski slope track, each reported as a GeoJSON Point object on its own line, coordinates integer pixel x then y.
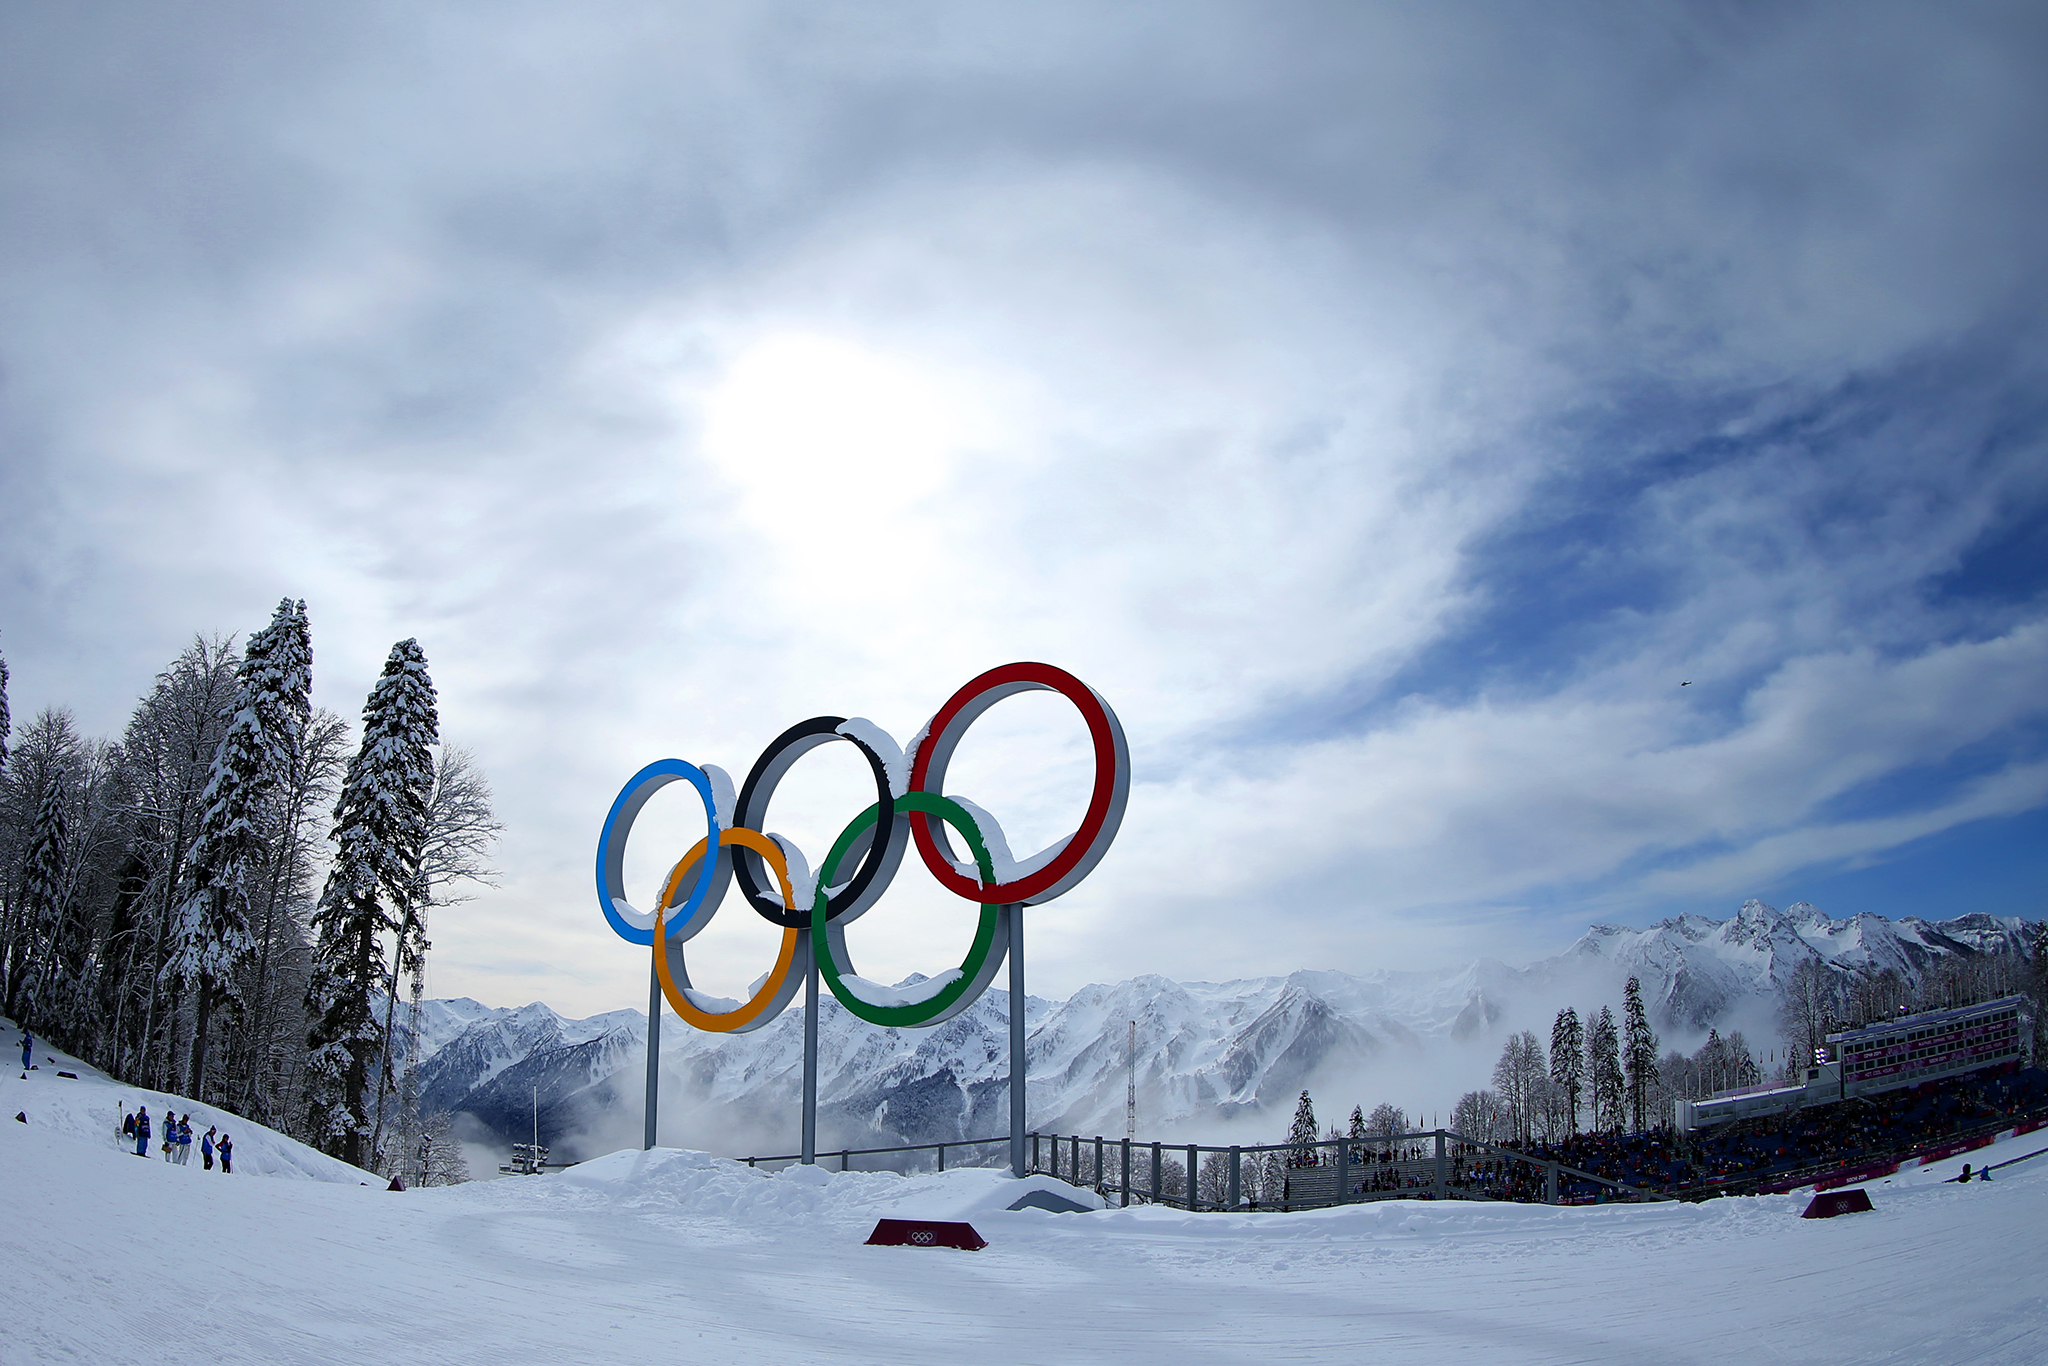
{"type": "Point", "coordinates": [676, 1255]}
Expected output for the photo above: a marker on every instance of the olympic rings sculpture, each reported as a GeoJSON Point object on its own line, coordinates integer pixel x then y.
{"type": "Point", "coordinates": [816, 906]}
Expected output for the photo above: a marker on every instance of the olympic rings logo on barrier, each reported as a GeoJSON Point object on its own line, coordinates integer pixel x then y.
{"type": "Point", "coordinates": [813, 908]}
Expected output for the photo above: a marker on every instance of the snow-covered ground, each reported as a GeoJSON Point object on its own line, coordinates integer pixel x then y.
{"type": "Point", "coordinates": [674, 1255]}
{"type": "Point", "coordinates": [89, 1109]}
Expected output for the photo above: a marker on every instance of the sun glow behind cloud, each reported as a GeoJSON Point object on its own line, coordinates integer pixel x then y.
{"type": "Point", "coordinates": [833, 446]}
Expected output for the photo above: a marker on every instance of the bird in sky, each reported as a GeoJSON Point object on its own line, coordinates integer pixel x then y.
{"type": "Point", "coordinates": [1686, 684]}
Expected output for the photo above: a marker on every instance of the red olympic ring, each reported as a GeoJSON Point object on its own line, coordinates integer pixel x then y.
{"type": "Point", "coordinates": [1081, 851]}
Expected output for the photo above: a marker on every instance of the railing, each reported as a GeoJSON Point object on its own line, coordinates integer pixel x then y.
{"type": "Point", "coordinates": [846, 1154]}
{"type": "Point", "coordinates": [1761, 1088]}
{"type": "Point", "coordinates": [1435, 1164]}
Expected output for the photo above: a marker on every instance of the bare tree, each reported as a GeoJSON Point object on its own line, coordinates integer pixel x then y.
{"type": "Point", "coordinates": [1482, 1115]}
{"type": "Point", "coordinates": [1808, 1008]}
{"type": "Point", "coordinates": [1386, 1118]}
{"type": "Point", "coordinates": [1518, 1077]}
{"type": "Point", "coordinates": [461, 831]}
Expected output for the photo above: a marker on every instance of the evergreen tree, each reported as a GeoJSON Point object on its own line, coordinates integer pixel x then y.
{"type": "Point", "coordinates": [372, 890]}
{"type": "Point", "coordinates": [6, 724]}
{"type": "Point", "coordinates": [1638, 1054]}
{"type": "Point", "coordinates": [89, 841]}
{"type": "Point", "coordinates": [44, 902]}
{"type": "Point", "coordinates": [213, 946]}
{"type": "Point", "coordinates": [1301, 1135]}
{"type": "Point", "coordinates": [1603, 1073]}
{"type": "Point", "coordinates": [1568, 1064]}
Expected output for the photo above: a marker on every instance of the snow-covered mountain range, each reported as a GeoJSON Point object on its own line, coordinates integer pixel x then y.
{"type": "Point", "coordinates": [1208, 1057]}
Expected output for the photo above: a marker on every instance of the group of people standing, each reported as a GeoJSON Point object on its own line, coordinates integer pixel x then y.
{"type": "Point", "coordinates": [177, 1140]}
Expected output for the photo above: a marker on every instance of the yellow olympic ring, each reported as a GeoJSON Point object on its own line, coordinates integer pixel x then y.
{"type": "Point", "coordinates": [775, 988]}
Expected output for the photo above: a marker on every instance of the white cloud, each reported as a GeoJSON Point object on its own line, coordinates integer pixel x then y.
{"type": "Point", "coordinates": [678, 377]}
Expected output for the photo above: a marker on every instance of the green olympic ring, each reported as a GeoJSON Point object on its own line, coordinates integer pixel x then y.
{"type": "Point", "coordinates": [959, 987]}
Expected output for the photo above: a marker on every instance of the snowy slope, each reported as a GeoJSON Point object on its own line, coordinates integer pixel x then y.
{"type": "Point", "coordinates": [89, 1110]}
{"type": "Point", "coordinates": [673, 1255]}
{"type": "Point", "coordinates": [1208, 1054]}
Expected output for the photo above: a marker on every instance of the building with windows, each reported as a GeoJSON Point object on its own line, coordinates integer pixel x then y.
{"type": "Point", "coordinates": [1882, 1057]}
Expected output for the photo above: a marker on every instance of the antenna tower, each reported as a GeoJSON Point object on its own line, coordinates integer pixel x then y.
{"type": "Point", "coordinates": [1131, 1083]}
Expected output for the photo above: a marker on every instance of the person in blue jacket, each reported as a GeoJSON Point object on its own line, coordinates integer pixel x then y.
{"type": "Point", "coordinates": [28, 1050]}
{"type": "Point", "coordinates": [206, 1148]}
{"type": "Point", "coordinates": [142, 1131]}
{"type": "Point", "coordinates": [226, 1149]}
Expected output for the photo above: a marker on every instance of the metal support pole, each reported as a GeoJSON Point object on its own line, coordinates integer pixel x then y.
{"type": "Point", "coordinates": [1232, 1190]}
{"type": "Point", "coordinates": [942, 1157]}
{"type": "Point", "coordinates": [653, 1048]}
{"type": "Point", "coordinates": [1098, 1163]}
{"type": "Point", "coordinates": [1016, 919]}
{"type": "Point", "coordinates": [1075, 1176]}
{"type": "Point", "coordinates": [1343, 1173]}
{"type": "Point", "coordinates": [1439, 1164]}
{"type": "Point", "coordinates": [1155, 1173]}
{"type": "Point", "coordinates": [1124, 1195]}
{"type": "Point", "coordinates": [810, 1144]}
{"type": "Point", "coordinates": [1194, 1161]}
{"type": "Point", "coordinates": [1550, 1183]}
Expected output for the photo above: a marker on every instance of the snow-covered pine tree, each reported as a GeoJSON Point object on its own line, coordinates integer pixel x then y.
{"type": "Point", "coordinates": [1603, 1073]}
{"type": "Point", "coordinates": [212, 946]}
{"type": "Point", "coordinates": [1638, 1055]}
{"type": "Point", "coordinates": [1568, 1064]}
{"type": "Point", "coordinates": [282, 695]}
{"type": "Point", "coordinates": [43, 901]}
{"type": "Point", "coordinates": [6, 724]}
{"type": "Point", "coordinates": [1272, 1178]}
{"type": "Point", "coordinates": [1301, 1135]}
{"type": "Point", "coordinates": [372, 890]}
{"type": "Point", "coordinates": [92, 842]}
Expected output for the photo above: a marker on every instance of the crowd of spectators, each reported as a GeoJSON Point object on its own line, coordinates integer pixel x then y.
{"type": "Point", "coordinates": [1740, 1155]}
{"type": "Point", "coordinates": [1750, 1151]}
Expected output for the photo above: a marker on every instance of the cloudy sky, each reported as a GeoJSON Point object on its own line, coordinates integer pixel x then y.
{"type": "Point", "coordinates": [1387, 408]}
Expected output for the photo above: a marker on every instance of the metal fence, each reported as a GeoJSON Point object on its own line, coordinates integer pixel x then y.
{"type": "Point", "coordinates": [1435, 1164]}
{"type": "Point", "coordinates": [912, 1162]}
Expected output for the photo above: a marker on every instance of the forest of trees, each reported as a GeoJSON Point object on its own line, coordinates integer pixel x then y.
{"type": "Point", "coordinates": [225, 903]}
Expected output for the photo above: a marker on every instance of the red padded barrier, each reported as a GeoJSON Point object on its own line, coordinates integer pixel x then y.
{"type": "Point", "coordinates": [926, 1233]}
{"type": "Point", "coordinates": [1828, 1204]}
